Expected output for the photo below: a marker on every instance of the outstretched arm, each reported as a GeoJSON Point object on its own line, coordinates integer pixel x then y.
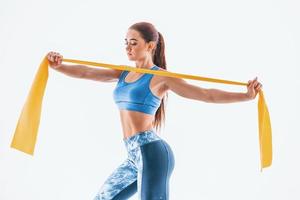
{"type": "Point", "coordinates": [184, 89]}
{"type": "Point", "coordinates": [82, 71]}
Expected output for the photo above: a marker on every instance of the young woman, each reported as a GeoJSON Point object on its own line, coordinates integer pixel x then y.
{"type": "Point", "coordinates": [141, 100]}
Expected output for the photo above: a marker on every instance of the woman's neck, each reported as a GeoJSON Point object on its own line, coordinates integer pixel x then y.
{"type": "Point", "coordinates": [146, 63]}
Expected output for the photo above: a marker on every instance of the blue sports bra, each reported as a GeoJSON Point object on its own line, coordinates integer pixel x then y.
{"type": "Point", "coordinates": [136, 95]}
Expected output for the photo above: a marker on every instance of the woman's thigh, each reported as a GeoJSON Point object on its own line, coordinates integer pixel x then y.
{"type": "Point", "coordinates": [155, 168]}
{"type": "Point", "coordinates": [120, 184]}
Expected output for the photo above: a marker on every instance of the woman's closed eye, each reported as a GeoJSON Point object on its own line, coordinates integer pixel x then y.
{"type": "Point", "coordinates": [131, 43]}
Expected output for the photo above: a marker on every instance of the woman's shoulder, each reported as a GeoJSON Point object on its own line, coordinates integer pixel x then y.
{"type": "Point", "coordinates": [168, 80]}
{"type": "Point", "coordinates": [162, 79]}
{"type": "Point", "coordinates": [162, 69]}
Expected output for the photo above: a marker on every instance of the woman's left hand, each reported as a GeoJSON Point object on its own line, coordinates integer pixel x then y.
{"type": "Point", "coordinates": [253, 88]}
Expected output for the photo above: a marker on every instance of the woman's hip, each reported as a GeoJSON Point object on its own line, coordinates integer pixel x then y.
{"type": "Point", "coordinates": [148, 148]}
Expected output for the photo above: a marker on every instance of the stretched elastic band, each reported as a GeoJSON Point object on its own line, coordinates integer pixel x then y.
{"type": "Point", "coordinates": [27, 127]}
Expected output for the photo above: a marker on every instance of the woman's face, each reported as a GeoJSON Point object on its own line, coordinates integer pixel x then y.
{"type": "Point", "coordinates": [136, 47]}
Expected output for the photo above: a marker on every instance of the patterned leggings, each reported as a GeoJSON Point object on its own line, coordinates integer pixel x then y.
{"type": "Point", "coordinates": [147, 170]}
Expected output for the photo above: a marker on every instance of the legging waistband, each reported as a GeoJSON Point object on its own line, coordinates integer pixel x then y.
{"type": "Point", "coordinates": [140, 138]}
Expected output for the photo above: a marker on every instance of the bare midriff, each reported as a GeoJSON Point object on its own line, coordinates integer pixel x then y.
{"type": "Point", "coordinates": [134, 122]}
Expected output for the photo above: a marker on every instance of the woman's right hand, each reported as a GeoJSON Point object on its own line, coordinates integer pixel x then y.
{"type": "Point", "coordinates": [55, 59]}
{"type": "Point", "coordinates": [253, 88]}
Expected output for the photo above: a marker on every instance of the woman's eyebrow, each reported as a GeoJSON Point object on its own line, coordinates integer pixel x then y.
{"type": "Point", "coordinates": [131, 39]}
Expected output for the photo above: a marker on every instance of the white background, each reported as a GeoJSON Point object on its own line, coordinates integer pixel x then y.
{"type": "Point", "coordinates": [215, 145]}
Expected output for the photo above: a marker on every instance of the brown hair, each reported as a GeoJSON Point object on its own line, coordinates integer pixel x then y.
{"type": "Point", "coordinates": [149, 33]}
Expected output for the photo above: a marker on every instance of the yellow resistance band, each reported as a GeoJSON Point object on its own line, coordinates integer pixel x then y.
{"type": "Point", "coordinates": [26, 131]}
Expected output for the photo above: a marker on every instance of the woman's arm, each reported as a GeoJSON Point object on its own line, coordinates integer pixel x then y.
{"type": "Point", "coordinates": [82, 71]}
{"type": "Point", "coordinates": [184, 89]}
{"type": "Point", "coordinates": [85, 72]}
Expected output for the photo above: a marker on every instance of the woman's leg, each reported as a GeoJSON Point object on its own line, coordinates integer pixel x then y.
{"type": "Point", "coordinates": [155, 167]}
{"type": "Point", "coordinates": [121, 184]}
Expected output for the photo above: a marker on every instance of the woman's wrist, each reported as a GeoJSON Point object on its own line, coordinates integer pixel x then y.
{"type": "Point", "coordinates": [56, 66]}
{"type": "Point", "coordinates": [248, 96]}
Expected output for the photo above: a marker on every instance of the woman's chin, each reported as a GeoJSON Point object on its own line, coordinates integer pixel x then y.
{"type": "Point", "coordinates": [131, 58]}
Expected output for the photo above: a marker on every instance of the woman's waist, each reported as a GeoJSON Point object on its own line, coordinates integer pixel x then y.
{"type": "Point", "coordinates": [134, 130]}
{"type": "Point", "coordinates": [132, 123]}
{"type": "Point", "coordinates": [140, 138]}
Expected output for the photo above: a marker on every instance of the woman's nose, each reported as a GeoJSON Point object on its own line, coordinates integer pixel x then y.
{"type": "Point", "coordinates": [127, 48]}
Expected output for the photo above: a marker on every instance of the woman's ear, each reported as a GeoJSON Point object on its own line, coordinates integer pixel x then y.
{"type": "Point", "coordinates": [151, 46]}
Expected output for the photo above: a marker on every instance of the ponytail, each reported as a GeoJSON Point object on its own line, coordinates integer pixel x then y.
{"type": "Point", "coordinates": [160, 60]}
